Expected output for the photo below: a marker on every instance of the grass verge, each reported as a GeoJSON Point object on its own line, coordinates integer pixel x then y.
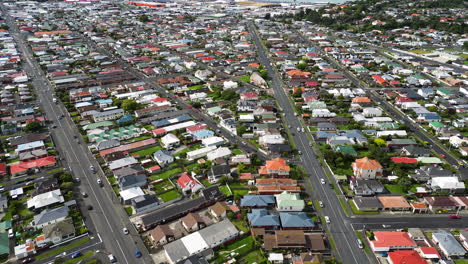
{"type": "Point", "coordinates": [63, 249]}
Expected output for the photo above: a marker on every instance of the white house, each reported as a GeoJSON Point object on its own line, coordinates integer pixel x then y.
{"type": "Point", "coordinates": [170, 141]}
{"type": "Point", "coordinates": [230, 84]}
{"type": "Point", "coordinates": [198, 153]}
{"type": "Point", "coordinates": [451, 184]}
{"type": "Point", "coordinates": [222, 152]}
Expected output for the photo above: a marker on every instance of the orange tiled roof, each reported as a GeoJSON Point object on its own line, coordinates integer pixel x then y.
{"type": "Point", "coordinates": [367, 164]}
{"type": "Point", "coordinates": [298, 73]}
{"type": "Point", "coordinates": [361, 100]}
{"type": "Point", "coordinates": [274, 164]}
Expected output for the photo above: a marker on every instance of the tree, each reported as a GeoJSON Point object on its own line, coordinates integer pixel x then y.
{"type": "Point", "coordinates": [66, 177]}
{"type": "Point", "coordinates": [405, 183]}
{"type": "Point", "coordinates": [143, 18]}
{"type": "Point", "coordinates": [229, 94]}
{"type": "Point", "coordinates": [130, 105]}
{"type": "Point", "coordinates": [380, 142]}
{"type": "Point", "coordinates": [66, 185]}
{"type": "Point", "coordinates": [33, 127]}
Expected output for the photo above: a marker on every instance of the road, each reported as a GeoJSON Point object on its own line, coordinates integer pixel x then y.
{"type": "Point", "coordinates": [340, 227]}
{"type": "Point", "coordinates": [108, 216]}
{"type": "Point", "coordinates": [241, 143]}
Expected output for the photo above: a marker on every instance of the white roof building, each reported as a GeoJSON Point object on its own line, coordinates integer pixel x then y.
{"type": "Point", "coordinates": [169, 140]}
{"type": "Point", "coordinates": [131, 193]}
{"type": "Point", "coordinates": [219, 153]}
{"type": "Point", "coordinates": [45, 199]}
{"type": "Point", "coordinates": [446, 183]}
{"type": "Point", "coordinates": [212, 141]}
{"type": "Point", "coordinates": [30, 145]}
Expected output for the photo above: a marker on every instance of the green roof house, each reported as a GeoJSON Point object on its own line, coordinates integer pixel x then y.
{"type": "Point", "coordinates": [5, 225]}
{"type": "Point", "coordinates": [4, 244]}
{"type": "Point", "coordinates": [345, 149]}
{"type": "Point", "coordinates": [289, 202]}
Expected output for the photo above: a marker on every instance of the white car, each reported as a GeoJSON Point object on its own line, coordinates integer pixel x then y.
{"type": "Point", "coordinates": [320, 203]}
{"type": "Point", "coordinates": [125, 231]}
{"type": "Point", "coordinates": [327, 219]}
{"type": "Point", "coordinates": [112, 258]}
{"type": "Point", "coordinates": [99, 182]}
{"type": "Point", "coordinates": [322, 181]}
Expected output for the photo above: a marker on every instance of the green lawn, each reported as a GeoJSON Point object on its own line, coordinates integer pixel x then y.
{"type": "Point", "coordinates": [140, 138]}
{"type": "Point", "coordinates": [394, 188]}
{"type": "Point", "coordinates": [244, 78]}
{"type": "Point", "coordinates": [146, 151]}
{"type": "Point", "coordinates": [460, 261]}
{"type": "Point", "coordinates": [63, 249]}
{"type": "Point", "coordinates": [240, 246]}
{"type": "Point", "coordinates": [240, 192]}
{"type": "Point", "coordinates": [196, 87]}
{"type": "Point", "coordinates": [343, 205]}
{"type": "Point", "coordinates": [25, 212]}
{"type": "Point", "coordinates": [255, 256]}
{"type": "Point", "coordinates": [224, 189]}
{"type": "Point", "coordinates": [241, 225]}
{"type": "Point", "coordinates": [420, 51]}
{"type": "Point", "coordinates": [167, 174]}
{"type": "Point", "coordinates": [358, 212]}
{"type": "Point", "coordinates": [366, 249]}
{"type": "Point", "coordinates": [206, 183]}
{"type": "Point", "coordinates": [237, 152]}
{"type": "Point", "coordinates": [162, 186]}
{"type": "Point", "coordinates": [170, 195]}
{"type": "Point", "coordinates": [55, 171]}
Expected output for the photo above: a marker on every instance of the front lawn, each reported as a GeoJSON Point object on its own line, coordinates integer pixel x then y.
{"type": "Point", "coordinates": [241, 246]}
{"type": "Point", "coordinates": [162, 186]}
{"type": "Point", "coordinates": [146, 151]}
{"type": "Point", "coordinates": [206, 183]}
{"type": "Point", "coordinates": [129, 210]}
{"type": "Point", "coordinates": [237, 152]}
{"type": "Point", "coordinates": [225, 190]}
{"type": "Point", "coordinates": [241, 225]}
{"type": "Point", "coordinates": [244, 78]}
{"type": "Point", "coordinates": [394, 188]}
{"type": "Point", "coordinates": [140, 138]}
{"type": "Point", "coordinates": [196, 87]}
{"type": "Point", "coordinates": [170, 195]}
{"type": "Point", "coordinates": [255, 256]}
{"type": "Point", "coordinates": [167, 174]}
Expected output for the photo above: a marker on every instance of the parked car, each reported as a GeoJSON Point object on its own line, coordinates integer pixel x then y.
{"type": "Point", "coordinates": [359, 242]}
{"type": "Point", "coordinates": [321, 203]}
{"type": "Point", "coordinates": [99, 182]}
{"type": "Point", "coordinates": [327, 219]}
{"type": "Point", "coordinates": [90, 207]}
{"type": "Point", "coordinates": [28, 260]}
{"type": "Point", "coordinates": [322, 181]}
{"type": "Point", "coordinates": [84, 194]}
{"type": "Point", "coordinates": [11, 233]}
{"type": "Point", "coordinates": [112, 258]}
{"type": "Point", "coordinates": [125, 231]}
{"type": "Point", "coordinates": [137, 253]}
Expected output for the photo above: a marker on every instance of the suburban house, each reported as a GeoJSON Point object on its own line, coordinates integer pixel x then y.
{"type": "Point", "coordinates": [45, 199]}
{"type": "Point", "coordinates": [163, 157]}
{"type": "Point", "coordinates": [257, 201]}
{"type": "Point", "coordinates": [289, 202]}
{"type": "Point", "coordinates": [366, 187]}
{"type": "Point", "coordinates": [50, 216]}
{"type": "Point", "coordinates": [276, 168]}
{"type": "Point", "coordinates": [296, 221]}
{"type": "Point", "coordinates": [387, 241]}
{"type": "Point", "coordinates": [192, 222]}
{"type": "Point", "coordinates": [260, 218]}
{"type": "Point", "coordinates": [188, 183]}
{"type": "Point", "coordinates": [366, 168]}
{"type": "Point", "coordinates": [162, 235]}
{"type": "Point", "coordinates": [448, 244]}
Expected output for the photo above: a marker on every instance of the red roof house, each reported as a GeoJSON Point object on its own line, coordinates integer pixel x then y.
{"type": "Point", "coordinates": [3, 170]}
{"type": "Point", "coordinates": [386, 241]}
{"type": "Point", "coordinates": [404, 160]}
{"type": "Point", "coordinates": [405, 257]}
{"type": "Point", "coordinates": [23, 167]}
{"type": "Point", "coordinates": [188, 184]}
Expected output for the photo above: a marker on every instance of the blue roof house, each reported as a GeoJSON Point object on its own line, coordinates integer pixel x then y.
{"type": "Point", "coordinates": [257, 201]}
{"type": "Point", "coordinates": [259, 218]}
{"type": "Point", "coordinates": [295, 221]}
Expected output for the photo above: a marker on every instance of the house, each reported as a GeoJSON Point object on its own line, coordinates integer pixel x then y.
{"type": "Point", "coordinates": [405, 257]}
{"type": "Point", "coordinates": [366, 168]}
{"type": "Point", "coordinates": [294, 239]}
{"type": "Point", "coordinates": [23, 167]}
{"type": "Point", "coordinates": [50, 216]}
{"type": "Point", "coordinates": [296, 221]}
{"type": "Point", "coordinates": [415, 151]}
{"type": "Point", "coordinates": [162, 235]}
{"type": "Point", "coordinates": [126, 196]}
{"type": "Point", "coordinates": [449, 184]}
{"type": "Point", "coordinates": [399, 143]}
{"type": "Point", "coordinates": [218, 153]}
{"type": "Point", "coordinates": [59, 232]}
{"type": "Point", "coordinates": [426, 173]}
{"type": "Point", "coordinates": [108, 115]}
{"type": "Point", "coordinates": [170, 141]}
{"type": "Point", "coordinates": [3, 202]}
{"type": "Point", "coordinates": [144, 203]}
{"type": "Point", "coordinates": [201, 242]}
{"type": "Point", "coordinates": [218, 210]}
{"type": "Point", "coordinates": [275, 168]}
{"type": "Point", "coordinates": [131, 181]}
{"type": "Point", "coordinates": [45, 199]}
{"type": "Point", "coordinates": [394, 203]}
{"type": "Point", "coordinates": [257, 201]}
{"type": "Point", "coordinates": [163, 157]}
{"type": "Point", "coordinates": [122, 163]}
{"type": "Point", "coordinates": [188, 184]}
{"type": "Point", "coordinates": [367, 203]}
{"type": "Point", "coordinates": [387, 241]}
{"type": "Point", "coordinates": [25, 250]}
{"type": "Point", "coordinates": [442, 204]}
{"type": "Point", "coordinates": [448, 244]}
{"type": "Point", "coordinates": [429, 253]}
{"type": "Point", "coordinates": [217, 172]}
{"type": "Point", "coordinates": [192, 222]}
{"type": "Point", "coordinates": [289, 202]}
{"type": "Point", "coordinates": [366, 187]}
{"type": "Point", "coordinates": [47, 185]}
{"type": "Point", "coordinates": [260, 218]}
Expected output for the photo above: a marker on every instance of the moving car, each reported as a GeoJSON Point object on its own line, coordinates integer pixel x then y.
{"type": "Point", "coordinates": [76, 254]}
{"type": "Point", "coordinates": [84, 194]}
{"type": "Point", "coordinates": [28, 260]}
{"type": "Point", "coordinates": [99, 182]}
{"type": "Point", "coordinates": [320, 203]}
{"type": "Point", "coordinates": [125, 231]}
{"type": "Point", "coordinates": [322, 181]}
{"type": "Point", "coordinates": [90, 207]}
{"type": "Point", "coordinates": [327, 219]}
{"type": "Point", "coordinates": [92, 169]}
{"type": "Point", "coordinates": [112, 258]}
{"type": "Point", "coordinates": [454, 216]}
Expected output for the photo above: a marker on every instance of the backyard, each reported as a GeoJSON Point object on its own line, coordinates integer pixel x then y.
{"type": "Point", "coordinates": [146, 151]}
{"type": "Point", "coordinates": [167, 174]}
{"type": "Point", "coordinates": [243, 247]}
{"type": "Point", "coordinates": [170, 195]}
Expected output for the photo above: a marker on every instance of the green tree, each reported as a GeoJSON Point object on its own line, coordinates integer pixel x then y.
{"type": "Point", "coordinates": [380, 142]}
{"type": "Point", "coordinates": [66, 186]}
{"type": "Point", "coordinates": [143, 18]}
{"type": "Point", "coordinates": [66, 177]}
{"type": "Point", "coordinates": [33, 127]}
{"type": "Point", "coordinates": [130, 105]}
{"type": "Point", "coordinates": [405, 183]}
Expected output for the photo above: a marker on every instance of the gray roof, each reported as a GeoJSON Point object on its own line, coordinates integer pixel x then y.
{"type": "Point", "coordinates": [176, 251]}
{"type": "Point", "coordinates": [163, 155]}
{"type": "Point", "coordinates": [105, 144]}
{"type": "Point", "coordinates": [367, 202]}
{"type": "Point", "coordinates": [449, 243]}
{"type": "Point", "coordinates": [48, 215]}
{"type": "Point", "coordinates": [131, 180]}
{"type": "Point", "coordinates": [214, 233]}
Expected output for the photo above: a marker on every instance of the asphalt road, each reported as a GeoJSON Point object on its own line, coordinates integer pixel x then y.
{"type": "Point", "coordinates": [398, 220]}
{"type": "Point", "coordinates": [108, 216]}
{"type": "Point", "coordinates": [340, 228]}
